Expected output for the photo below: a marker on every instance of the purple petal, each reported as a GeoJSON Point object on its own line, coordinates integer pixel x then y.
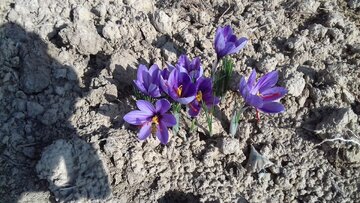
{"type": "Point", "coordinates": [204, 85]}
{"type": "Point", "coordinates": [173, 78]}
{"type": "Point", "coordinates": [145, 106]}
{"type": "Point", "coordinates": [243, 88]}
{"type": "Point", "coordinates": [162, 133]}
{"type": "Point", "coordinates": [194, 108]}
{"type": "Point", "coordinates": [183, 61]}
{"type": "Point", "coordinates": [145, 131]}
{"type": "Point", "coordinates": [162, 106]}
{"type": "Point", "coordinates": [141, 69]}
{"type": "Point", "coordinates": [185, 100]}
{"type": "Point", "coordinates": [273, 93]}
{"type": "Point", "coordinates": [252, 79]}
{"type": "Point", "coordinates": [168, 120]}
{"type": "Point", "coordinates": [240, 44]}
{"type": "Point", "coordinates": [140, 86]}
{"type": "Point", "coordinates": [254, 100]}
{"type": "Point", "coordinates": [189, 89]}
{"type": "Point", "coordinates": [272, 107]}
{"type": "Point", "coordinates": [137, 117]}
{"type": "Point", "coordinates": [226, 50]}
{"type": "Point", "coordinates": [266, 81]}
{"type": "Point", "coordinates": [154, 90]}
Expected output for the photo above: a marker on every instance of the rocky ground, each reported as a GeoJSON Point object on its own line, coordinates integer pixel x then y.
{"type": "Point", "coordinates": [66, 71]}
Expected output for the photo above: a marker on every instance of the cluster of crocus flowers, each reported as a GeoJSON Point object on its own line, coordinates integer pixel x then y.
{"type": "Point", "coordinates": [180, 84]}
{"type": "Point", "coordinates": [185, 84]}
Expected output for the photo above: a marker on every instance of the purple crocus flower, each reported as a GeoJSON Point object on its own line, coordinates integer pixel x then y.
{"type": "Point", "coordinates": [263, 95]}
{"type": "Point", "coordinates": [179, 87]}
{"type": "Point", "coordinates": [204, 95]}
{"type": "Point", "coordinates": [226, 42]}
{"type": "Point", "coordinates": [193, 68]}
{"type": "Point", "coordinates": [152, 119]}
{"type": "Point", "coordinates": [148, 80]}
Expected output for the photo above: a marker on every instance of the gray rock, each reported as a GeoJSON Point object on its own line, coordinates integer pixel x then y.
{"type": "Point", "coordinates": [229, 145]}
{"type": "Point", "coordinates": [169, 52]}
{"type": "Point", "coordinates": [354, 4]}
{"type": "Point", "coordinates": [81, 14]}
{"type": "Point", "coordinates": [36, 75]}
{"type": "Point", "coordinates": [162, 22]}
{"type": "Point", "coordinates": [49, 117]}
{"type": "Point", "coordinates": [111, 31]}
{"type": "Point", "coordinates": [34, 109]}
{"type": "Point", "coordinates": [83, 36]}
{"type": "Point", "coordinates": [336, 122]}
{"type": "Point", "coordinates": [294, 82]}
{"type": "Point", "coordinates": [60, 73]}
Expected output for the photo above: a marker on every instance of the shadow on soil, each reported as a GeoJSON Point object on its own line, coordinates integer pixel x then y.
{"type": "Point", "coordinates": [44, 81]}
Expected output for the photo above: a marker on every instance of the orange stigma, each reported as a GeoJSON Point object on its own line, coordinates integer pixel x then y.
{"type": "Point", "coordinates": [199, 96]}
{"type": "Point", "coordinates": [179, 90]}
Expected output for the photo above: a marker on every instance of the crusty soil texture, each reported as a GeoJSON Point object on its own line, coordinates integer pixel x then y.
{"type": "Point", "coordinates": [66, 71]}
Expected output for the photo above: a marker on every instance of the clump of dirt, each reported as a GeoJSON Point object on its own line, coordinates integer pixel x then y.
{"type": "Point", "coordinates": [66, 71]}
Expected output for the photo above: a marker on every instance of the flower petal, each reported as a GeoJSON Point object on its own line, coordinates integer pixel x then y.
{"type": "Point", "coordinates": [168, 119]}
{"type": "Point", "coordinates": [154, 90]}
{"type": "Point", "coordinates": [137, 117]}
{"type": "Point", "coordinates": [145, 106]}
{"type": "Point", "coordinates": [140, 86]}
{"type": "Point", "coordinates": [266, 81]}
{"type": "Point", "coordinates": [185, 100]}
{"type": "Point", "coordinates": [272, 107]}
{"type": "Point", "coordinates": [162, 106]}
{"type": "Point", "coordinates": [252, 79]}
{"type": "Point", "coordinates": [254, 100]}
{"type": "Point", "coordinates": [162, 133]}
{"type": "Point", "coordinates": [239, 44]}
{"type": "Point", "coordinates": [194, 108]}
{"type": "Point", "coordinates": [141, 69]}
{"type": "Point", "coordinates": [273, 94]}
{"type": "Point", "coordinates": [145, 131]}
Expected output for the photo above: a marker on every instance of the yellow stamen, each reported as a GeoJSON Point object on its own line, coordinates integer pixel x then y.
{"type": "Point", "coordinates": [199, 96]}
{"type": "Point", "coordinates": [155, 120]}
{"type": "Point", "coordinates": [179, 90]}
{"type": "Point", "coordinates": [154, 124]}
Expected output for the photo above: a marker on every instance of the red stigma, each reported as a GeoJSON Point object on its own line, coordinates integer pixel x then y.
{"type": "Point", "coordinates": [270, 95]}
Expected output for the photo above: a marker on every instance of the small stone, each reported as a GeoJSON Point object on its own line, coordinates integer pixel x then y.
{"type": "Point", "coordinates": [111, 31]}
{"type": "Point", "coordinates": [169, 52]}
{"type": "Point", "coordinates": [162, 22]}
{"type": "Point", "coordinates": [267, 64]}
{"type": "Point", "coordinates": [34, 109]}
{"type": "Point", "coordinates": [229, 145]}
{"type": "Point", "coordinates": [81, 14]}
{"type": "Point", "coordinates": [336, 122]}
{"type": "Point", "coordinates": [49, 117]}
{"type": "Point", "coordinates": [354, 4]}
{"type": "Point", "coordinates": [295, 83]}
{"type": "Point", "coordinates": [60, 73]}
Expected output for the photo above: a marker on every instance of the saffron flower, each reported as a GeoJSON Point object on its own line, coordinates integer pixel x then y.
{"type": "Point", "coordinates": [179, 87]}
{"type": "Point", "coordinates": [204, 95]}
{"type": "Point", "coordinates": [226, 42]}
{"type": "Point", "coordinates": [263, 95]}
{"type": "Point", "coordinates": [148, 80]}
{"type": "Point", "coordinates": [192, 68]}
{"type": "Point", "coordinates": [153, 119]}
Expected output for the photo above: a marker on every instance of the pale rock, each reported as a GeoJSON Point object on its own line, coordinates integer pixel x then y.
{"type": "Point", "coordinates": [294, 82]}
{"type": "Point", "coordinates": [111, 31]}
{"type": "Point", "coordinates": [81, 14]}
{"type": "Point", "coordinates": [162, 22]}
{"type": "Point", "coordinates": [84, 37]}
